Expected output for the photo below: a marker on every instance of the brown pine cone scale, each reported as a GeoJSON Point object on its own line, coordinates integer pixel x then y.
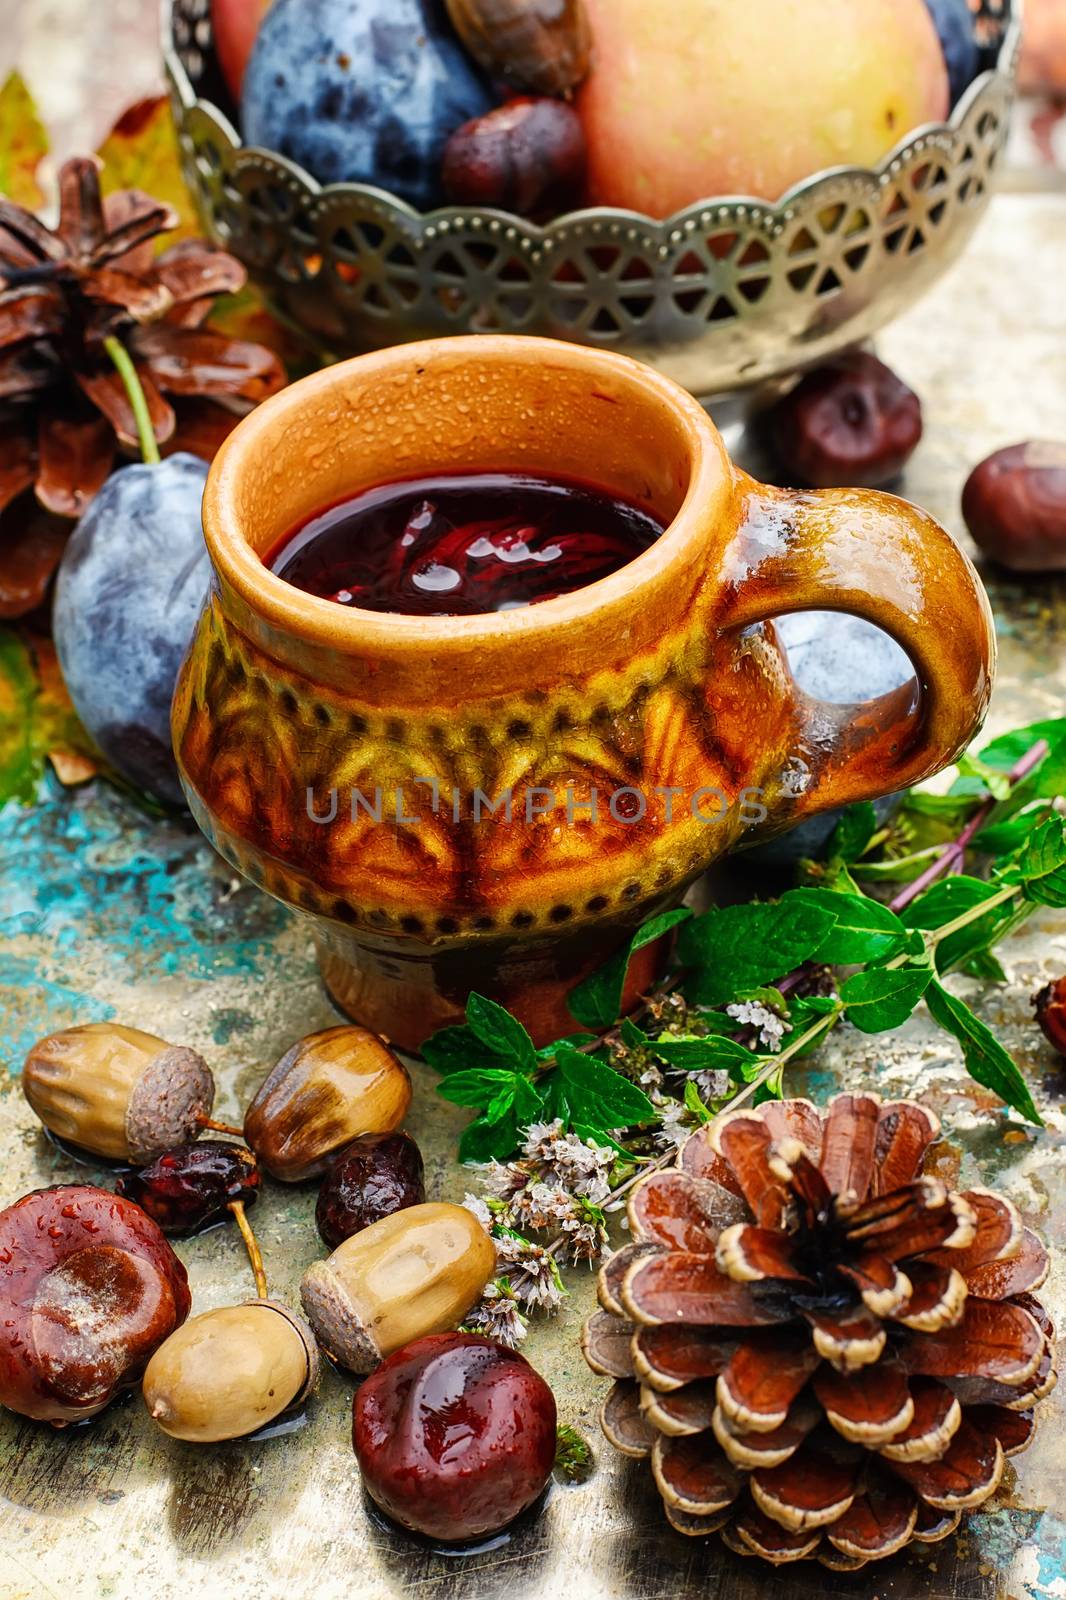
{"type": "Point", "coordinates": [823, 1351]}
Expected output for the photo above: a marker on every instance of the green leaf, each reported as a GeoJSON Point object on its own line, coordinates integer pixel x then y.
{"type": "Point", "coordinates": [598, 999]}
{"type": "Point", "coordinates": [802, 1013]}
{"type": "Point", "coordinates": [986, 1060]}
{"type": "Point", "coordinates": [865, 930]}
{"type": "Point", "coordinates": [983, 964]}
{"type": "Point", "coordinates": [633, 1036]}
{"type": "Point", "coordinates": [457, 1050]}
{"type": "Point", "coordinates": [547, 1051]}
{"type": "Point", "coordinates": [23, 144]}
{"type": "Point", "coordinates": [883, 998]}
{"type": "Point", "coordinates": [477, 1088]}
{"type": "Point", "coordinates": [501, 1032]}
{"type": "Point", "coordinates": [573, 1455]}
{"type": "Point", "coordinates": [1006, 751]}
{"type": "Point", "coordinates": [489, 1141]}
{"type": "Point", "coordinates": [1003, 838]}
{"type": "Point", "coordinates": [595, 1095]}
{"type": "Point", "coordinates": [739, 947]}
{"type": "Point", "coordinates": [857, 826]}
{"type": "Point", "coordinates": [945, 901]}
{"type": "Point", "coordinates": [694, 1104]}
{"type": "Point", "coordinates": [1041, 866]}
{"type": "Point", "coordinates": [716, 1053]}
{"type": "Point", "coordinates": [990, 778]}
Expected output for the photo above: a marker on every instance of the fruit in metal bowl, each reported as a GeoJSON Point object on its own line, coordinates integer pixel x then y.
{"type": "Point", "coordinates": [364, 91]}
{"type": "Point", "coordinates": [707, 97]}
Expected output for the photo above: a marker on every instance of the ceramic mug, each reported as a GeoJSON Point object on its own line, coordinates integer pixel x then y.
{"type": "Point", "coordinates": [620, 737]}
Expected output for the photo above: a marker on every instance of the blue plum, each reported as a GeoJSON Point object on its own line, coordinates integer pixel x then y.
{"type": "Point", "coordinates": [953, 21]}
{"type": "Point", "coordinates": [843, 660]}
{"type": "Point", "coordinates": [130, 588]}
{"type": "Point", "coordinates": [362, 91]}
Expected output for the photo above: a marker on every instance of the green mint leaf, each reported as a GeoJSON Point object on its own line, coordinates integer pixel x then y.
{"type": "Point", "coordinates": [865, 930]}
{"type": "Point", "coordinates": [716, 1053]}
{"type": "Point", "coordinates": [547, 1051]}
{"type": "Point", "coordinates": [883, 998]}
{"type": "Point", "coordinates": [945, 901]}
{"type": "Point", "coordinates": [1006, 751]}
{"type": "Point", "coordinates": [1041, 866]}
{"type": "Point", "coordinates": [802, 1014]}
{"type": "Point", "coordinates": [1004, 838]}
{"type": "Point", "coordinates": [478, 1087]}
{"type": "Point", "coordinates": [951, 810]}
{"type": "Point", "coordinates": [983, 964]}
{"type": "Point", "coordinates": [597, 1001]}
{"type": "Point", "coordinates": [457, 1049]}
{"type": "Point", "coordinates": [501, 1032]}
{"type": "Point", "coordinates": [488, 1141]}
{"type": "Point", "coordinates": [739, 947]}
{"type": "Point", "coordinates": [694, 1104]}
{"type": "Point", "coordinates": [1046, 781]}
{"type": "Point", "coordinates": [994, 780]}
{"type": "Point", "coordinates": [857, 826]}
{"type": "Point", "coordinates": [595, 1095]}
{"type": "Point", "coordinates": [987, 1061]}
{"type": "Point", "coordinates": [633, 1036]}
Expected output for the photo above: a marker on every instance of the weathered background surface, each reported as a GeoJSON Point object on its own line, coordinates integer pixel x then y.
{"type": "Point", "coordinates": [106, 913]}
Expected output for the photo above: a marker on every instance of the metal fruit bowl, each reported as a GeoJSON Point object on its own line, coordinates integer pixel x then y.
{"type": "Point", "coordinates": [726, 294]}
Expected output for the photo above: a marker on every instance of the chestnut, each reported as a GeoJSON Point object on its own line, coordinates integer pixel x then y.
{"type": "Point", "coordinates": [118, 1092]}
{"type": "Point", "coordinates": [1049, 1004]}
{"type": "Point", "coordinates": [526, 156]}
{"type": "Point", "coordinates": [377, 1174]}
{"type": "Point", "coordinates": [416, 1272]}
{"type": "Point", "coordinates": [89, 1288]}
{"type": "Point", "coordinates": [324, 1092]}
{"type": "Point", "coordinates": [851, 423]}
{"type": "Point", "coordinates": [1014, 505]}
{"type": "Point", "coordinates": [229, 1372]}
{"type": "Point", "coordinates": [454, 1435]}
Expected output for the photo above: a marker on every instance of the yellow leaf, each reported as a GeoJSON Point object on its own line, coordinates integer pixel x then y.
{"type": "Point", "coordinates": [141, 152]}
{"type": "Point", "coordinates": [23, 143]}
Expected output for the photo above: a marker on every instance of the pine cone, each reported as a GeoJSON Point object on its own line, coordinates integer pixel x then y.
{"type": "Point", "coordinates": [824, 1352]}
{"type": "Point", "coordinates": [63, 407]}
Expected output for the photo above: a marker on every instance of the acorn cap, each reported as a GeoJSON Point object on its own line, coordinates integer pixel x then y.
{"type": "Point", "coordinates": [339, 1327]}
{"type": "Point", "coordinates": [168, 1102]}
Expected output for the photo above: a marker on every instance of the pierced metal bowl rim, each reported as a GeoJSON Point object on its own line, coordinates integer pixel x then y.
{"type": "Point", "coordinates": [778, 213]}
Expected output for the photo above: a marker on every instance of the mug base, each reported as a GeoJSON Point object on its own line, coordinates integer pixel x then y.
{"type": "Point", "coordinates": [406, 1001]}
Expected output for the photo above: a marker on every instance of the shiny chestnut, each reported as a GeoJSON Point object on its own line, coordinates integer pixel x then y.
{"type": "Point", "coordinates": [1014, 504]}
{"type": "Point", "coordinates": [527, 156]}
{"type": "Point", "coordinates": [377, 1174]}
{"type": "Point", "coordinates": [89, 1289]}
{"type": "Point", "coordinates": [454, 1435]}
{"type": "Point", "coordinates": [323, 1093]}
{"type": "Point", "coordinates": [194, 1185]}
{"type": "Point", "coordinates": [849, 423]}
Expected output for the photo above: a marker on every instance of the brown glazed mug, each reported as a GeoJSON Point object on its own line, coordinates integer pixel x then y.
{"type": "Point", "coordinates": [358, 765]}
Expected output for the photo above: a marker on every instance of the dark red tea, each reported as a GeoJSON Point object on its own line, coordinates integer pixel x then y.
{"type": "Point", "coordinates": [454, 546]}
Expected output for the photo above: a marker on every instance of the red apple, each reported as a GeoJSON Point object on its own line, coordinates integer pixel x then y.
{"type": "Point", "coordinates": [454, 1435]}
{"type": "Point", "coordinates": [89, 1289]}
{"type": "Point", "coordinates": [710, 97]}
{"type": "Point", "coordinates": [234, 25]}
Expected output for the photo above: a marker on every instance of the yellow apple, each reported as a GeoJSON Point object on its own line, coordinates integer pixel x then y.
{"type": "Point", "coordinates": [691, 98]}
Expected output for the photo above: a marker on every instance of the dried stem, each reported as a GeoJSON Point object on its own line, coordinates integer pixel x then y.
{"type": "Point", "coordinates": [221, 1127]}
{"type": "Point", "coordinates": [251, 1244]}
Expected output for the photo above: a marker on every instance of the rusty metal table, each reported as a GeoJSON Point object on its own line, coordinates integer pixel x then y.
{"type": "Point", "coordinates": [107, 913]}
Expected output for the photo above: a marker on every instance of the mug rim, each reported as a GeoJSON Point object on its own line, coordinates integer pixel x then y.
{"type": "Point", "coordinates": [316, 619]}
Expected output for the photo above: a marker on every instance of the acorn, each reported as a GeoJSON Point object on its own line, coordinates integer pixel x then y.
{"type": "Point", "coordinates": [324, 1092]}
{"type": "Point", "coordinates": [230, 1372]}
{"type": "Point", "coordinates": [118, 1092]}
{"type": "Point", "coordinates": [418, 1271]}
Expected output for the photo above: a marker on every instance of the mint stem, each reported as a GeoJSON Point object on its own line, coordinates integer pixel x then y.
{"type": "Point", "coordinates": [954, 852]}
{"type": "Point", "coordinates": [135, 394]}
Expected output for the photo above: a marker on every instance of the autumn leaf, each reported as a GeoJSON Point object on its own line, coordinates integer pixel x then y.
{"type": "Point", "coordinates": [141, 152]}
{"type": "Point", "coordinates": [37, 720]}
{"type": "Point", "coordinates": [23, 143]}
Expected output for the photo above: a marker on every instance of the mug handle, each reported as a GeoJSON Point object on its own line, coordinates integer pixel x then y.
{"type": "Point", "coordinates": [873, 556]}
